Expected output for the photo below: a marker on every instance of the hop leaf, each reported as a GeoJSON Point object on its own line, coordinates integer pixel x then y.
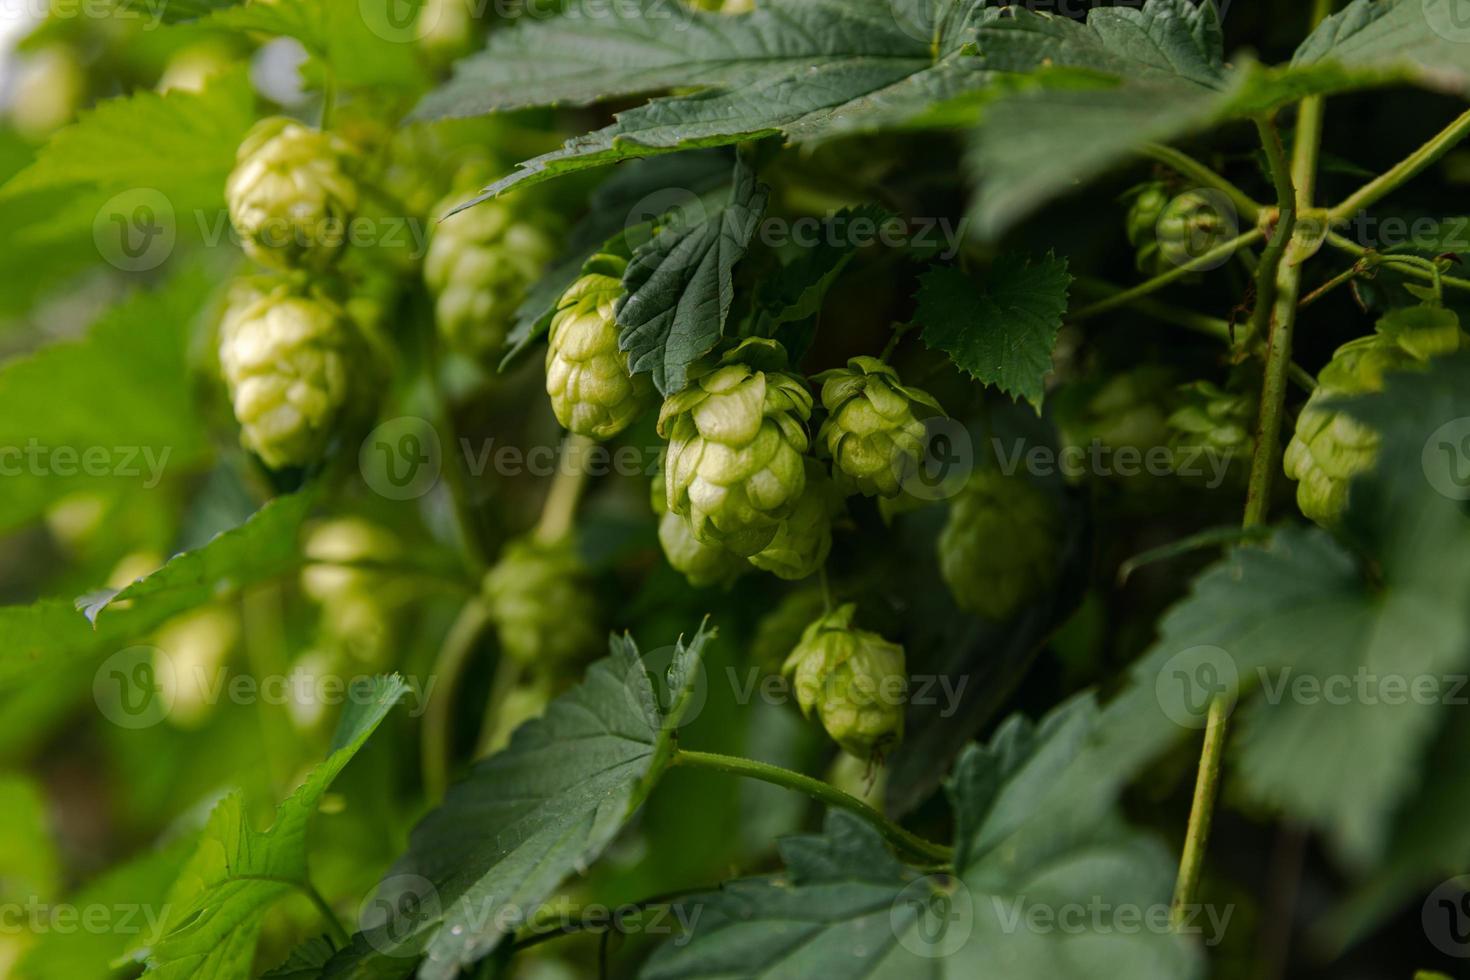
{"type": "Point", "coordinates": [480, 263]}
{"type": "Point", "coordinates": [853, 679]}
{"type": "Point", "coordinates": [592, 391]}
{"type": "Point", "coordinates": [872, 432]}
{"type": "Point", "coordinates": [736, 436]}
{"type": "Point", "coordinates": [541, 602]}
{"type": "Point", "coordinates": [290, 196]}
{"type": "Point", "coordinates": [1213, 421]}
{"type": "Point", "coordinates": [292, 363]}
{"type": "Point", "coordinates": [998, 549]}
{"type": "Point", "coordinates": [1329, 447]}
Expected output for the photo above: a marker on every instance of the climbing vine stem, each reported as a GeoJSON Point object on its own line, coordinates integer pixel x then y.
{"type": "Point", "coordinates": [734, 765]}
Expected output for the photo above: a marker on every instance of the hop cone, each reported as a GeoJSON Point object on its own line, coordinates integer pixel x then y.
{"type": "Point", "coordinates": [872, 432]}
{"type": "Point", "coordinates": [1212, 427]}
{"type": "Point", "coordinates": [780, 629]}
{"type": "Point", "coordinates": [737, 435]}
{"type": "Point", "coordinates": [592, 391]}
{"type": "Point", "coordinates": [290, 195]}
{"type": "Point", "coordinates": [1146, 205]}
{"type": "Point", "coordinates": [853, 679]}
{"type": "Point", "coordinates": [291, 363]}
{"type": "Point", "coordinates": [541, 603]}
{"type": "Point", "coordinates": [479, 265]}
{"type": "Point", "coordinates": [1128, 411]}
{"type": "Point", "coordinates": [998, 549]}
{"type": "Point", "coordinates": [1328, 447]}
{"type": "Point", "coordinates": [804, 539]}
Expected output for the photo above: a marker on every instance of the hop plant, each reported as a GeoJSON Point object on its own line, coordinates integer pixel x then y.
{"type": "Point", "coordinates": [541, 602]}
{"type": "Point", "coordinates": [737, 435]}
{"type": "Point", "coordinates": [872, 432]}
{"type": "Point", "coordinates": [1329, 447]}
{"type": "Point", "coordinates": [479, 265]}
{"type": "Point", "coordinates": [292, 363]}
{"type": "Point", "coordinates": [780, 629]}
{"type": "Point", "coordinates": [804, 539]}
{"type": "Point", "coordinates": [592, 391]}
{"type": "Point", "coordinates": [290, 195]}
{"type": "Point", "coordinates": [1212, 422]}
{"type": "Point", "coordinates": [998, 549]}
{"type": "Point", "coordinates": [853, 679]}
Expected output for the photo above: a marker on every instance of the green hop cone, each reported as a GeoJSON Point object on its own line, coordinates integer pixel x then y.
{"type": "Point", "coordinates": [1146, 204]}
{"type": "Point", "coordinates": [780, 629]}
{"type": "Point", "coordinates": [872, 432]}
{"type": "Point", "coordinates": [292, 363]}
{"type": "Point", "coordinates": [1127, 412]}
{"type": "Point", "coordinates": [541, 602]}
{"type": "Point", "coordinates": [479, 266]}
{"type": "Point", "coordinates": [592, 391]}
{"type": "Point", "coordinates": [998, 550]}
{"type": "Point", "coordinates": [853, 679]}
{"type": "Point", "coordinates": [1212, 431]}
{"type": "Point", "coordinates": [737, 435]}
{"type": "Point", "coordinates": [702, 564]}
{"type": "Point", "coordinates": [1328, 447]}
{"type": "Point", "coordinates": [290, 195]}
{"type": "Point", "coordinates": [804, 539]}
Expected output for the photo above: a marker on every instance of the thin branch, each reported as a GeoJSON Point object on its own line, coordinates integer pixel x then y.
{"type": "Point", "coordinates": [1189, 167]}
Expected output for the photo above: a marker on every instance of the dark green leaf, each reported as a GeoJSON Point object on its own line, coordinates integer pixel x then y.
{"type": "Point", "coordinates": [680, 286]}
{"type": "Point", "coordinates": [1001, 333]}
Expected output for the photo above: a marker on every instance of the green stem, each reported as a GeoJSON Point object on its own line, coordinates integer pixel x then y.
{"type": "Point", "coordinates": [1206, 260]}
{"type": "Point", "coordinates": [1277, 290]}
{"type": "Point", "coordinates": [1346, 244]}
{"type": "Point", "coordinates": [449, 666]}
{"type": "Point", "coordinates": [830, 795]}
{"type": "Point", "coordinates": [1404, 171]}
{"type": "Point", "coordinates": [1188, 166]}
{"type": "Point", "coordinates": [1209, 326]}
{"type": "Point", "coordinates": [560, 510]}
{"type": "Point", "coordinates": [334, 926]}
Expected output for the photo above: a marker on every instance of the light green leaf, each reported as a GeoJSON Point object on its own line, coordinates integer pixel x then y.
{"type": "Point", "coordinates": [100, 191]}
{"type": "Point", "coordinates": [680, 286]}
{"type": "Point", "coordinates": [29, 867]}
{"type": "Point", "coordinates": [367, 43]}
{"type": "Point", "coordinates": [805, 69]}
{"type": "Point", "coordinates": [51, 632]}
{"type": "Point", "coordinates": [261, 548]}
{"type": "Point", "coordinates": [140, 886]}
{"type": "Point", "coordinates": [111, 412]}
{"type": "Point", "coordinates": [526, 818]}
{"type": "Point", "coordinates": [1001, 333]}
{"type": "Point", "coordinates": [846, 907]}
{"type": "Point", "coordinates": [237, 873]}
